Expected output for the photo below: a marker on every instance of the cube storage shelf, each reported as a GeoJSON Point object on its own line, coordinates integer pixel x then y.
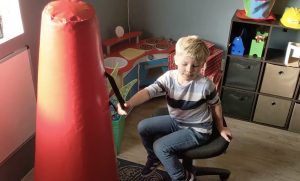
{"type": "Point", "coordinates": [262, 88]}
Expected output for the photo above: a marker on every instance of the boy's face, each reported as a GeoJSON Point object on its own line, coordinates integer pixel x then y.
{"type": "Point", "coordinates": [188, 67]}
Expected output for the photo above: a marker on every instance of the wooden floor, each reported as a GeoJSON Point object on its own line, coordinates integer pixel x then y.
{"type": "Point", "coordinates": [256, 153]}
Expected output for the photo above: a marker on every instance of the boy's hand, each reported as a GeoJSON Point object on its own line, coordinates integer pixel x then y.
{"type": "Point", "coordinates": [226, 134]}
{"type": "Point", "coordinates": [120, 110]}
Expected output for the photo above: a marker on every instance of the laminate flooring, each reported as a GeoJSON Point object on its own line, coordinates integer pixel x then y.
{"type": "Point", "coordinates": [256, 153]}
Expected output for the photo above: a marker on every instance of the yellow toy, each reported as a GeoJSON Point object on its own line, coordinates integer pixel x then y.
{"type": "Point", "coordinates": [291, 18]}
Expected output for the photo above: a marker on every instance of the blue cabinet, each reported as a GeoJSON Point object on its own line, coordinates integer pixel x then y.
{"type": "Point", "coordinates": [149, 71]}
{"type": "Point", "coordinates": [146, 71]}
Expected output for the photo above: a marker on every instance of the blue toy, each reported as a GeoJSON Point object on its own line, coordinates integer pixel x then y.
{"type": "Point", "coordinates": [237, 47]}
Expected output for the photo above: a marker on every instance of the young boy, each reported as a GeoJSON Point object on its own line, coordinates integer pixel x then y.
{"type": "Point", "coordinates": [192, 101]}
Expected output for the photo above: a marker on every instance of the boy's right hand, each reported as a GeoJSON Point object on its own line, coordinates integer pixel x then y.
{"type": "Point", "coordinates": [122, 111]}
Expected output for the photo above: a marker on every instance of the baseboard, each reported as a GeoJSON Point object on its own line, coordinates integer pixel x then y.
{"type": "Point", "coordinates": [17, 165]}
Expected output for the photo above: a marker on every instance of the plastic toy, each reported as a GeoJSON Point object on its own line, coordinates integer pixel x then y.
{"type": "Point", "coordinates": [292, 55]}
{"type": "Point", "coordinates": [237, 47]}
{"type": "Point", "coordinates": [291, 18]}
{"type": "Point", "coordinates": [257, 44]}
{"type": "Point", "coordinates": [258, 9]}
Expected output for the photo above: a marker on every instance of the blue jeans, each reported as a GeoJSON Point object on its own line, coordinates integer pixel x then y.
{"type": "Point", "coordinates": [164, 140]}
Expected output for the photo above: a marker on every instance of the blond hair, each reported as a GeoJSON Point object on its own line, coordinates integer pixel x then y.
{"type": "Point", "coordinates": [192, 46]}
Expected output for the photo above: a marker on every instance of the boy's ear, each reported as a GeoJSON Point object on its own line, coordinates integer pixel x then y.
{"type": "Point", "coordinates": [176, 59]}
{"type": "Point", "coordinates": [202, 65]}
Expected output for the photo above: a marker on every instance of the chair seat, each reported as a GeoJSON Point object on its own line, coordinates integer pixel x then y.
{"type": "Point", "coordinates": [214, 148]}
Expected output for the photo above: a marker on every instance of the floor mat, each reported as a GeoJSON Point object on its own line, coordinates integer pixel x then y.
{"type": "Point", "coordinates": [130, 171]}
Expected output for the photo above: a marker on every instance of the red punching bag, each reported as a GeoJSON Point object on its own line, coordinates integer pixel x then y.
{"type": "Point", "coordinates": [74, 139]}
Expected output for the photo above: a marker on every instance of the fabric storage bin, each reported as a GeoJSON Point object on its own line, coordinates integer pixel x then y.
{"type": "Point", "coordinates": [279, 80]}
{"type": "Point", "coordinates": [242, 73]}
{"type": "Point", "coordinates": [295, 119]}
{"type": "Point", "coordinates": [271, 110]}
{"type": "Point", "coordinates": [237, 104]}
{"type": "Point", "coordinates": [118, 132]}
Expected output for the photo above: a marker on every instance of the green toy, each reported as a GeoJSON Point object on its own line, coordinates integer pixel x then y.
{"type": "Point", "coordinates": [257, 44]}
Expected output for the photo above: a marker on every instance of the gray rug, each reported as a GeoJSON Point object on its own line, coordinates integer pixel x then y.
{"type": "Point", "coordinates": [130, 171]}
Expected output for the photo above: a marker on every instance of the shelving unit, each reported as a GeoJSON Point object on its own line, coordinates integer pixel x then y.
{"type": "Point", "coordinates": [262, 89]}
{"type": "Point", "coordinates": [127, 36]}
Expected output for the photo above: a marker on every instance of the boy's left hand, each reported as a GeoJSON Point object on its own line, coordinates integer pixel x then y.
{"type": "Point", "coordinates": [226, 134]}
{"type": "Point", "coordinates": [122, 111]}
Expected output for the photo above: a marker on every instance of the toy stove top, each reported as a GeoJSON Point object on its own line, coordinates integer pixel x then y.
{"type": "Point", "coordinates": [151, 43]}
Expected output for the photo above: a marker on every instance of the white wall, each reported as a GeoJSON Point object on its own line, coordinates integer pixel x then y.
{"type": "Point", "coordinates": [209, 19]}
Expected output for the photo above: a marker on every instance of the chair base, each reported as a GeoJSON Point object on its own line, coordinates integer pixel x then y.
{"type": "Point", "coordinates": [222, 173]}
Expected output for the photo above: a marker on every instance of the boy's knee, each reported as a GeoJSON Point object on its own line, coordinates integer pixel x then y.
{"type": "Point", "coordinates": [159, 147]}
{"type": "Point", "coordinates": [142, 126]}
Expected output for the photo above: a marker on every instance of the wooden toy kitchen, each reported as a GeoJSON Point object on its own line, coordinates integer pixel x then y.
{"type": "Point", "coordinates": [144, 60]}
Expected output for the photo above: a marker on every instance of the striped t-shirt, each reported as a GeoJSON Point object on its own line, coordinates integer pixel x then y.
{"type": "Point", "coordinates": [187, 104]}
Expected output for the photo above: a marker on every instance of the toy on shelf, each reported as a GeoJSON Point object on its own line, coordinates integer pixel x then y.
{"type": "Point", "coordinates": [257, 44]}
{"type": "Point", "coordinates": [237, 46]}
{"type": "Point", "coordinates": [258, 9]}
{"type": "Point", "coordinates": [291, 18]}
{"type": "Point", "coordinates": [292, 55]}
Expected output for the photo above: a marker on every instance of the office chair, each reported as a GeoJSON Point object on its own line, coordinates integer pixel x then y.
{"type": "Point", "coordinates": [217, 145]}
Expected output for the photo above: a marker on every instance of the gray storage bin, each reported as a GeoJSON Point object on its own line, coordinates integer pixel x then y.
{"type": "Point", "coordinates": [242, 73]}
{"type": "Point", "coordinates": [279, 80]}
{"type": "Point", "coordinates": [237, 104]}
{"type": "Point", "coordinates": [295, 119]}
{"type": "Point", "coordinates": [271, 110]}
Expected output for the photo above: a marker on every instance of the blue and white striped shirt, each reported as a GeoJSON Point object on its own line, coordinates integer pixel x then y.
{"type": "Point", "coordinates": [187, 104]}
